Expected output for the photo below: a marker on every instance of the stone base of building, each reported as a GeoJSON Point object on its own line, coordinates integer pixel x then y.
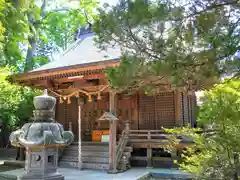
{"type": "Point", "coordinates": [54, 176]}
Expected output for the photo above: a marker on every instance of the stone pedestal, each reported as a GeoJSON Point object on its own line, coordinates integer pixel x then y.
{"type": "Point", "coordinates": [41, 164]}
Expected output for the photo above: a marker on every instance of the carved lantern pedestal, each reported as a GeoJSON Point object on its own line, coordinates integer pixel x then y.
{"type": "Point", "coordinates": [42, 139]}
{"type": "Point", "coordinates": [41, 164]}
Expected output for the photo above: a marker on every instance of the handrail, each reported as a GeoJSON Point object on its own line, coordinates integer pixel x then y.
{"type": "Point", "coordinates": [121, 145]}
{"type": "Point", "coordinates": [146, 131]}
{"type": "Point", "coordinates": [153, 135]}
{"type": "Point", "coordinates": [162, 131]}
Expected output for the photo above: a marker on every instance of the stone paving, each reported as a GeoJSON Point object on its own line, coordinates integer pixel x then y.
{"type": "Point", "coordinates": [132, 174]}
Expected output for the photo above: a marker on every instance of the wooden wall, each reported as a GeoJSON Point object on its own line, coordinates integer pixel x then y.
{"type": "Point", "coordinates": [156, 111]}
{"type": "Point", "coordinates": [144, 112]}
{"type": "Point", "coordinates": [66, 113]}
{"type": "Point", "coordinates": [187, 109]}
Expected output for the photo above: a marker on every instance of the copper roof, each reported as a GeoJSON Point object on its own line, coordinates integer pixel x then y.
{"type": "Point", "coordinates": [82, 56]}
{"type": "Point", "coordinates": [83, 51]}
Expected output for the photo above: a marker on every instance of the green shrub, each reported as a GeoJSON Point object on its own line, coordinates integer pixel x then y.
{"type": "Point", "coordinates": [16, 102]}
{"type": "Point", "coordinates": [211, 157]}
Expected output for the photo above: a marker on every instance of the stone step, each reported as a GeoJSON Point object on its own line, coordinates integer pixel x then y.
{"type": "Point", "coordinates": [95, 148]}
{"type": "Point", "coordinates": [87, 154]}
{"type": "Point", "coordinates": [95, 154]}
{"type": "Point", "coordinates": [95, 166]}
{"type": "Point", "coordinates": [88, 148]}
{"type": "Point", "coordinates": [69, 159]}
{"type": "Point", "coordinates": [91, 154]}
{"type": "Point", "coordinates": [70, 152]}
{"type": "Point", "coordinates": [91, 143]}
{"type": "Point", "coordinates": [89, 159]}
{"type": "Point", "coordinates": [67, 164]}
{"type": "Point", "coordinates": [99, 160]}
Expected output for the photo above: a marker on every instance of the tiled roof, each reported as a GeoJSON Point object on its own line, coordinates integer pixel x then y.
{"type": "Point", "coordinates": [83, 51]}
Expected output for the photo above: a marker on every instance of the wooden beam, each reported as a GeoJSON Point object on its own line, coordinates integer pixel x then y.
{"type": "Point", "coordinates": [113, 134]}
{"type": "Point", "coordinates": [67, 70]}
{"type": "Point", "coordinates": [82, 78]}
{"type": "Point", "coordinates": [177, 107]}
{"type": "Point", "coordinates": [47, 83]}
{"type": "Point", "coordinates": [83, 83]}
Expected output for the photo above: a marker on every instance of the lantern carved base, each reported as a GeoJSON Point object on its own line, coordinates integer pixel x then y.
{"type": "Point", "coordinates": [41, 164]}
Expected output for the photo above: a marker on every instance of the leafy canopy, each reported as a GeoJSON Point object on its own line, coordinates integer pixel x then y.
{"type": "Point", "coordinates": [31, 33]}
{"type": "Point", "coordinates": [14, 30]}
{"type": "Point", "coordinates": [16, 102]}
{"type": "Point", "coordinates": [212, 155]}
{"type": "Point", "coordinates": [189, 44]}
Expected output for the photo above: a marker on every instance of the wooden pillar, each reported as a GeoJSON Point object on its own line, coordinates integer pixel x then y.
{"type": "Point", "coordinates": [177, 108]}
{"type": "Point", "coordinates": [127, 126]}
{"type": "Point", "coordinates": [80, 103]}
{"type": "Point", "coordinates": [70, 126]}
{"type": "Point", "coordinates": [149, 153]}
{"type": "Point", "coordinates": [112, 135]}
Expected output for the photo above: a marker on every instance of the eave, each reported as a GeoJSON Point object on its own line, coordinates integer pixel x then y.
{"type": "Point", "coordinates": [68, 71]}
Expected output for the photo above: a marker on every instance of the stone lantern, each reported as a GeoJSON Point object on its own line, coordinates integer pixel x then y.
{"type": "Point", "coordinates": [42, 140]}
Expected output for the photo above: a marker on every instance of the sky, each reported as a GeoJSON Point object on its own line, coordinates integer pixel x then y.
{"type": "Point", "coordinates": [111, 2]}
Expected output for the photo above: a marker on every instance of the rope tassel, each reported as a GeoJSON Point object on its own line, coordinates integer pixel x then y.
{"type": "Point", "coordinates": [69, 100]}
{"type": "Point", "coordinates": [89, 98]}
{"type": "Point", "coordinates": [99, 96]}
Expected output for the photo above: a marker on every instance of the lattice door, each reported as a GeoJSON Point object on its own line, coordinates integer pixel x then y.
{"type": "Point", "coordinates": [164, 110]}
{"type": "Point", "coordinates": [146, 112]}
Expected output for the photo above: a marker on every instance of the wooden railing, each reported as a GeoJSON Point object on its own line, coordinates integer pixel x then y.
{"type": "Point", "coordinates": [150, 139]}
{"type": "Point", "coordinates": [122, 143]}
{"type": "Point", "coordinates": [148, 134]}
{"type": "Point", "coordinates": [155, 139]}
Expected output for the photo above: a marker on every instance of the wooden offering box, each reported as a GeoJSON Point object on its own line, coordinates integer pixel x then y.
{"type": "Point", "coordinates": [97, 134]}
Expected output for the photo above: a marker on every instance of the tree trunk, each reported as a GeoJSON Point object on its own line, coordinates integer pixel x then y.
{"type": "Point", "coordinates": [30, 54]}
{"type": "Point", "coordinates": [22, 154]}
{"type": "Point", "coordinates": [2, 140]}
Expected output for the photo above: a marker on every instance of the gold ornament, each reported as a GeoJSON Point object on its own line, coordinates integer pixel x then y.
{"type": "Point", "coordinates": [60, 100]}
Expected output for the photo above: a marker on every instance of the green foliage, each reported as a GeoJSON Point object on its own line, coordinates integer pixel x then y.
{"type": "Point", "coordinates": [211, 157]}
{"type": "Point", "coordinates": [183, 43]}
{"type": "Point", "coordinates": [61, 27]}
{"type": "Point", "coordinates": [16, 102]}
{"type": "Point", "coordinates": [14, 30]}
{"type": "Point", "coordinates": [24, 25]}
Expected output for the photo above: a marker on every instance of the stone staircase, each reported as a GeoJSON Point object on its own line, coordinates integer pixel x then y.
{"type": "Point", "coordinates": [95, 155]}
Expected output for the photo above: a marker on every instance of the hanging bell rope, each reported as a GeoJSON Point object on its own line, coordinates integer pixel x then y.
{"type": "Point", "coordinates": [76, 93]}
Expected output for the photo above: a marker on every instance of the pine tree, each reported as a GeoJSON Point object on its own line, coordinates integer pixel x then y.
{"type": "Point", "coordinates": [189, 44]}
